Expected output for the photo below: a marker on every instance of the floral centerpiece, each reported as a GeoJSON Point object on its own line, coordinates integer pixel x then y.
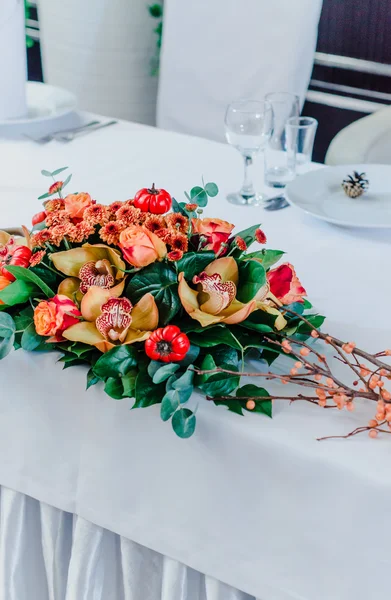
{"type": "Point", "coordinates": [157, 300]}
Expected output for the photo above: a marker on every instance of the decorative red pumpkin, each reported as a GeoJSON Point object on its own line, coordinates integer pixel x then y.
{"type": "Point", "coordinates": [13, 254]}
{"type": "Point", "coordinates": [153, 200]}
{"type": "Point", "coordinates": [167, 344]}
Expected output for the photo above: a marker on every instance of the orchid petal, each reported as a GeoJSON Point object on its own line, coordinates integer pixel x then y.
{"type": "Point", "coordinates": [84, 332]}
{"type": "Point", "coordinates": [187, 295]}
{"type": "Point", "coordinates": [145, 314]}
{"type": "Point", "coordinates": [238, 312]}
{"type": "Point", "coordinates": [226, 267]}
{"type": "Point", "coordinates": [70, 287]}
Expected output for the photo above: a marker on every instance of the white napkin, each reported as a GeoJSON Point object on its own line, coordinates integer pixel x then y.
{"type": "Point", "coordinates": [13, 63]}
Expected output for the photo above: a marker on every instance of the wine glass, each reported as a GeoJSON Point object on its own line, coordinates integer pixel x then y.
{"type": "Point", "coordinates": [248, 126]}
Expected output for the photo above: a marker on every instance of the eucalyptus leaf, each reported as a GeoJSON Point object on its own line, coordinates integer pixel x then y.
{"type": "Point", "coordinates": [153, 366]}
{"type": "Point", "coordinates": [44, 196]}
{"type": "Point", "coordinates": [169, 405]}
{"type": "Point", "coordinates": [165, 372]}
{"type": "Point", "coordinates": [66, 181]}
{"type": "Point", "coordinates": [58, 171]}
{"type": "Point", "coordinates": [184, 422]}
{"type": "Point", "coordinates": [30, 338]}
{"type": "Point", "coordinates": [198, 195]}
{"type": "Point", "coordinates": [46, 173]}
{"type": "Point", "coordinates": [178, 207]}
{"type": "Point", "coordinates": [211, 189]}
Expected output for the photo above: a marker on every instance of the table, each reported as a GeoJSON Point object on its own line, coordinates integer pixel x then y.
{"type": "Point", "coordinates": [256, 504]}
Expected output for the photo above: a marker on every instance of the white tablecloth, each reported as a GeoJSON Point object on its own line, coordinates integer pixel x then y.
{"type": "Point", "coordinates": [217, 51]}
{"type": "Point", "coordinates": [257, 504]}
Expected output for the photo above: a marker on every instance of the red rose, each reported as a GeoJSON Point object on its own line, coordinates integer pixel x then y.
{"type": "Point", "coordinates": [285, 285]}
{"type": "Point", "coordinates": [52, 317]}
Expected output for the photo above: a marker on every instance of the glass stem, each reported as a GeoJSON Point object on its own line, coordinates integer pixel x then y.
{"type": "Point", "coordinates": [248, 190]}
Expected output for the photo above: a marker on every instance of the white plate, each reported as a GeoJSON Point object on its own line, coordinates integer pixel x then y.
{"type": "Point", "coordinates": [44, 103]}
{"type": "Point", "coordinates": [319, 193]}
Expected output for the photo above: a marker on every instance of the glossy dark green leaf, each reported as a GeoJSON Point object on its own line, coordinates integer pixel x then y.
{"type": "Point", "coordinates": [161, 281]}
{"type": "Point", "coordinates": [211, 189]}
{"type": "Point", "coordinates": [214, 336]}
{"type": "Point", "coordinates": [155, 10]}
{"type": "Point", "coordinates": [178, 207]}
{"type": "Point", "coordinates": [147, 392]}
{"type": "Point", "coordinates": [252, 277]}
{"type": "Point", "coordinates": [46, 275]}
{"type": "Point", "coordinates": [248, 235]}
{"type": "Point", "coordinates": [24, 318]}
{"type": "Point", "coordinates": [114, 388]}
{"type": "Point", "coordinates": [218, 384]}
{"type": "Point", "coordinates": [184, 422]}
{"type": "Point", "coordinates": [267, 257]}
{"type": "Point", "coordinates": [129, 383]}
{"type": "Point", "coordinates": [315, 320]}
{"type": "Point", "coordinates": [193, 263]}
{"type": "Point", "coordinates": [92, 379]}
{"type": "Point", "coordinates": [7, 334]}
{"type": "Point", "coordinates": [116, 362]}
{"type": "Point", "coordinates": [23, 274]}
{"type": "Point", "coordinates": [254, 392]}
{"type": "Point", "coordinates": [18, 292]}
{"type": "Point", "coordinates": [307, 304]}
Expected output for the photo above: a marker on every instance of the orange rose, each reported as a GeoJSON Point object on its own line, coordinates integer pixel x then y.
{"type": "Point", "coordinates": [140, 246]}
{"type": "Point", "coordinates": [285, 285]}
{"type": "Point", "coordinates": [216, 232]}
{"type": "Point", "coordinates": [75, 204]}
{"type": "Point", "coordinates": [52, 317]}
{"type": "Point", "coordinates": [3, 284]}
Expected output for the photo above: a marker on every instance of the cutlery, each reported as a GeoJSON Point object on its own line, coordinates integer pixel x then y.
{"type": "Point", "coordinates": [51, 136]}
{"type": "Point", "coordinates": [71, 136]}
{"type": "Point", "coordinates": [277, 203]}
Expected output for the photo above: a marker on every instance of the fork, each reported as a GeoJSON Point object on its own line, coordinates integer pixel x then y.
{"type": "Point", "coordinates": [52, 136]}
{"type": "Point", "coordinates": [68, 137]}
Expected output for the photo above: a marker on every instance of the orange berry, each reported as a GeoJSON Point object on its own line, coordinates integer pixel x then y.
{"type": "Point", "coordinates": [318, 377]}
{"type": "Point", "coordinates": [304, 351]}
{"type": "Point", "coordinates": [383, 372]}
{"type": "Point", "coordinates": [387, 352]}
{"type": "Point", "coordinates": [373, 433]}
{"type": "Point", "coordinates": [293, 371]}
{"type": "Point", "coordinates": [322, 403]}
{"type": "Point", "coordinates": [373, 423]}
{"type": "Point", "coordinates": [298, 364]}
{"type": "Point", "coordinates": [350, 406]}
{"type": "Point", "coordinates": [330, 382]}
{"type": "Point", "coordinates": [380, 384]}
{"type": "Point", "coordinates": [250, 404]}
{"type": "Point", "coordinates": [386, 395]}
{"type": "Point", "coordinates": [361, 389]}
{"type": "Point", "coordinates": [314, 333]}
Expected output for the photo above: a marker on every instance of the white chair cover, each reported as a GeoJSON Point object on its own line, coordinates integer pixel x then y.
{"type": "Point", "coordinates": [217, 51]}
{"type": "Point", "coordinates": [48, 554]}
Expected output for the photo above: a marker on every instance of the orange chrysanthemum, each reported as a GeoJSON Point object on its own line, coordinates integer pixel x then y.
{"type": "Point", "coordinates": [80, 232]}
{"type": "Point", "coordinates": [39, 239]}
{"type": "Point", "coordinates": [174, 255]}
{"type": "Point", "coordinates": [54, 204]}
{"type": "Point", "coordinates": [58, 232]}
{"type": "Point", "coordinates": [110, 233]}
{"type": "Point", "coordinates": [178, 241]}
{"type": "Point", "coordinates": [97, 214]}
{"type": "Point", "coordinates": [191, 207]}
{"type": "Point", "coordinates": [260, 236]}
{"type": "Point", "coordinates": [114, 206]}
{"type": "Point", "coordinates": [129, 215]}
{"type": "Point", "coordinates": [56, 187]}
{"type": "Point", "coordinates": [37, 258]}
{"type": "Point", "coordinates": [56, 217]}
{"type": "Point", "coordinates": [155, 222]}
{"type": "Point", "coordinates": [240, 243]}
{"type": "Point", "coordinates": [164, 234]}
{"type": "Point", "coordinates": [178, 222]}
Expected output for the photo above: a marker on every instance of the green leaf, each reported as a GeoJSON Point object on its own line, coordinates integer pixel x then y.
{"type": "Point", "coordinates": [198, 195]}
{"type": "Point", "coordinates": [261, 321]}
{"type": "Point", "coordinates": [183, 385]}
{"type": "Point", "coordinates": [254, 392]}
{"type": "Point", "coordinates": [178, 207]}
{"type": "Point", "coordinates": [44, 196]}
{"type": "Point", "coordinates": [211, 189]}
{"type": "Point", "coordinates": [66, 181]}
{"type": "Point", "coordinates": [248, 234]}
{"type": "Point", "coordinates": [165, 372]}
{"type": "Point", "coordinates": [147, 392]}
{"type": "Point", "coordinates": [58, 171]}
{"type": "Point", "coordinates": [315, 320]}
{"type": "Point", "coordinates": [24, 318]}
{"type": "Point", "coordinates": [191, 356]}
{"type": "Point", "coordinates": [307, 304]}
{"type": "Point", "coordinates": [214, 336]}
{"type": "Point", "coordinates": [155, 10]}
{"type": "Point", "coordinates": [30, 338]}
{"type": "Point", "coordinates": [184, 422]}
{"type": "Point", "coordinates": [46, 173]}
{"type": "Point", "coordinates": [116, 362]}
{"type": "Point", "coordinates": [252, 277]}
{"type": "Point", "coordinates": [7, 334]}
{"type": "Point", "coordinates": [193, 263]}
{"type": "Point", "coordinates": [129, 383]}
{"type": "Point", "coordinates": [153, 366]}
{"type": "Point", "coordinates": [267, 257]}
{"type": "Point", "coordinates": [114, 388]}
{"type": "Point", "coordinates": [170, 403]}
{"type": "Point", "coordinates": [218, 384]}
{"type": "Point", "coordinates": [92, 379]}
{"type": "Point", "coordinates": [46, 275]}
{"type": "Point", "coordinates": [23, 274]}
{"type": "Point", "coordinates": [17, 293]}
{"type": "Point", "coordinates": [161, 281]}
{"type": "Point", "coordinates": [225, 355]}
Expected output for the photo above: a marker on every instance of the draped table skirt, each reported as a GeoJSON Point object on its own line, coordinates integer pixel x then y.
{"type": "Point", "coordinates": [49, 554]}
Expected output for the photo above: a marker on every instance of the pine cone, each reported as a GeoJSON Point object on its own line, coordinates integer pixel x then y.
{"type": "Point", "coordinates": [355, 185]}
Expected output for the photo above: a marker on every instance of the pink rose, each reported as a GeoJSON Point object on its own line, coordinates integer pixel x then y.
{"type": "Point", "coordinates": [52, 317]}
{"type": "Point", "coordinates": [75, 204]}
{"type": "Point", "coordinates": [140, 246]}
{"type": "Point", "coordinates": [285, 285]}
{"type": "Point", "coordinates": [216, 232]}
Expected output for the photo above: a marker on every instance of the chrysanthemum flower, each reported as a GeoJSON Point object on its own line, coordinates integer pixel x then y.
{"type": "Point", "coordinates": [97, 214]}
{"type": "Point", "coordinates": [191, 207]}
{"type": "Point", "coordinates": [54, 204]}
{"type": "Point", "coordinates": [175, 255]}
{"type": "Point", "coordinates": [110, 233]}
{"type": "Point", "coordinates": [80, 232]}
{"type": "Point", "coordinates": [56, 217]}
{"type": "Point", "coordinates": [39, 239]}
{"type": "Point", "coordinates": [114, 206]}
{"type": "Point", "coordinates": [240, 243]}
{"type": "Point", "coordinates": [58, 232]}
{"type": "Point", "coordinates": [260, 236]}
{"type": "Point", "coordinates": [178, 241]}
{"type": "Point", "coordinates": [37, 258]}
{"type": "Point", "coordinates": [56, 187]}
{"type": "Point", "coordinates": [164, 234]}
{"type": "Point", "coordinates": [128, 215]}
{"type": "Point", "coordinates": [178, 222]}
{"type": "Point", "coordinates": [155, 222]}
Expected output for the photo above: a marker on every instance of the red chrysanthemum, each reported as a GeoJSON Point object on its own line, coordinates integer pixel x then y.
{"type": "Point", "coordinates": [110, 233]}
{"type": "Point", "coordinates": [175, 255]}
{"type": "Point", "coordinates": [178, 241]}
{"type": "Point", "coordinates": [37, 258]}
{"type": "Point", "coordinates": [240, 243]}
{"type": "Point", "coordinates": [155, 222]}
{"type": "Point", "coordinates": [56, 217]}
{"type": "Point", "coordinates": [40, 238]}
{"type": "Point", "coordinates": [80, 232]}
{"type": "Point", "coordinates": [191, 207]}
{"type": "Point", "coordinates": [54, 204]}
{"type": "Point", "coordinates": [56, 187]}
{"type": "Point", "coordinates": [177, 222]}
{"type": "Point", "coordinates": [97, 214]}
